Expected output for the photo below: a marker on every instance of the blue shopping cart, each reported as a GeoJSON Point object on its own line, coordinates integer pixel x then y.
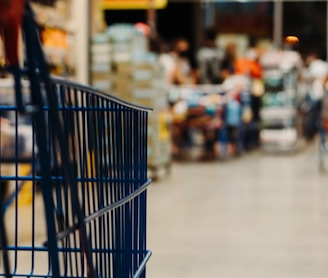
{"type": "Point", "coordinates": [85, 173]}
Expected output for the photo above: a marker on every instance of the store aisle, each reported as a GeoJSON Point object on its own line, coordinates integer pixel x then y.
{"type": "Point", "coordinates": [258, 216]}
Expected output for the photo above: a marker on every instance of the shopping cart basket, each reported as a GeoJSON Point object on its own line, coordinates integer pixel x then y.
{"type": "Point", "coordinates": [87, 173]}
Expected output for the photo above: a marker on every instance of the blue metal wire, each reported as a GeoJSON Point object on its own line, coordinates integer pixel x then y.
{"type": "Point", "coordinates": [91, 165]}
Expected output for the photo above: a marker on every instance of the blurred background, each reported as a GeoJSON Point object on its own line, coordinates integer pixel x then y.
{"type": "Point", "coordinates": [237, 136]}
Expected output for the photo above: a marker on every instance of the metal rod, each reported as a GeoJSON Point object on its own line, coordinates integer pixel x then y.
{"type": "Point", "coordinates": [277, 23]}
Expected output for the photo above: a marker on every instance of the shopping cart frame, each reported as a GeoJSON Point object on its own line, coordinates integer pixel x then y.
{"type": "Point", "coordinates": [50, 139]}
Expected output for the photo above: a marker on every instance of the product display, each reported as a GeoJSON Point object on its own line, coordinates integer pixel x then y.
{"type": "Point", "coordinates": [279, 129]}
{"type": "Point", "coordinates": [57, 36]}
{"type": "Point", "coordinates": [122, 65]}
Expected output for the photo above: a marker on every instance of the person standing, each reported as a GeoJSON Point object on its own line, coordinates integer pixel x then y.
{"type": "Point", "coordinates": [317, 71]}
{"type": "Point", "coordinates": [228, 63]}
{"type": "Point", "coordinates": [177, 65]}
{"type": "Point", "coordinates": [178, 72]}
{"type": "Point", "coordinates": [209, 59]}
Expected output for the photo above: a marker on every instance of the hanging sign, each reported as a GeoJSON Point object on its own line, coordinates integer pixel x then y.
{"type": "Point", "coordinates": [132, 4]}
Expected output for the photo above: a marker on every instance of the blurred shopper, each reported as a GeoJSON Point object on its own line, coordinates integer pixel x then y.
{"type": "Point", "coordinates": [317, 70]}
{"type": "Point", "coordinates": [251, 68]}
{"type": "Point", "coordinates": [177, 64]}
{"type": "Point", "coordinates": [230, 134]}
{"type": "Point", "coordinates": [228, 63]}
{"type": "Point", "coordinates": [178, 71]}
{"type": "Point", "coordinates": [209, 59]}
{"type": "Point", "coordinates": [249, 64]}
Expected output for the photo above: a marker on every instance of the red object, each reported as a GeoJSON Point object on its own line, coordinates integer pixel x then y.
{"type": "Point", "coordinates": [143, 28]}
{"type": "Point", "coordinates": [246, 66]}
{"type": "Point", "coordinates": [11, 12]}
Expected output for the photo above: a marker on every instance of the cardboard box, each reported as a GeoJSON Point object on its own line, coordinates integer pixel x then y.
{"type": "Point", "coordinates": [104, 48]}
{"type": "Point", "coordinates": [99, 76]}
{"type": "Point", "coordinates": [100, 67]}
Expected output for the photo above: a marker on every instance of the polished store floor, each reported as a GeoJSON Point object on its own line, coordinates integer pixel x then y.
{"type": "Point", "coordinates": [257, 216]}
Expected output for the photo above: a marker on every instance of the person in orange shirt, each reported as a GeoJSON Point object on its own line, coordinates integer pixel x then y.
{"type": "Point", "coordinates": [249, 65]}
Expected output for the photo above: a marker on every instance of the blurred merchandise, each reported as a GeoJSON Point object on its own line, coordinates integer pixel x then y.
{"type": "Point", "coordinates": [279, 113]}
{"type": "Point", "coordinates": [122, 65]}
{"type": "Point", "coordinates": [196, 120]}
{"type": "Point", "coordinates": [15, 140]}
{"type": "Point", "coordinates": [53, 18]}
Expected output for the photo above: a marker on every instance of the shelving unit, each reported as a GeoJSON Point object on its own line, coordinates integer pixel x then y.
{"type": "Point", "coordinates": [279, 128]}
{"type": "Point", "coordinates": [57, 36]}
{"type": "Point", "coordinates": [122, 65]}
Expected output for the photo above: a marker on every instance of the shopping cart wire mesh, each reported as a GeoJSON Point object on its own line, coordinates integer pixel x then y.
{"type": "Point", "coordinates": [86, 155]}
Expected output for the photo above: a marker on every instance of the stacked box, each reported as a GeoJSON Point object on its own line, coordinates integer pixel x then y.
{"type": "Point", "coordinates": [153, 93]}
{"type": "Point", "coordinates": [143, 83]}
{"type": "Point", "coordinates": [101, 63]}
{"type": "Point", "coordinates": [159, 139]}
{"type": "Point", "coordinates": [121, 79]}
{"type": "Point", "coordinates": [125, 68]}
